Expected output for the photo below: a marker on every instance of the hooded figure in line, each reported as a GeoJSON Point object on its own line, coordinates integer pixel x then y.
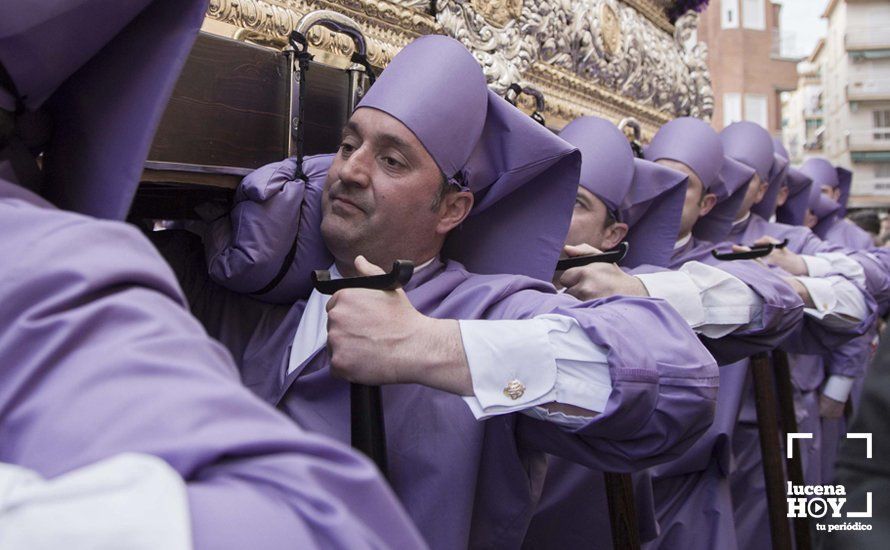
{"type": "Point", "coordinates": [484, 367]}
{"type": "Point", "coordinates": [838, 309]}
{"type": "Point", "coordinates": [122, 424]}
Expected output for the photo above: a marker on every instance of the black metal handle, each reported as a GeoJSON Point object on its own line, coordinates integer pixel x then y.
{"type": "Point", "coordinates": [401, 273]}
{"type": "Point", "coordinates": [515, 90]}
{"type": "Point", "coordinates": [758, 251]}
{"type": "Point", "coordinates": [368, 429]}
{"type": "Point", "coordinates": [611, 257]}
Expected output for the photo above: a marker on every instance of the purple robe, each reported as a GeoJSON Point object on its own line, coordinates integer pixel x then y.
{"type": "Point", "coordinates": [100, 357]}
{"type": "Point", "coordinates": [688, 497]}
{"type": "Point", "coordinates": [485, 476]}
{"type": "Point", "coordinates": [807, 373]}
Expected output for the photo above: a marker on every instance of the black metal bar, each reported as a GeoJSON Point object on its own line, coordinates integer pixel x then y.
{"type": "Point", "coordinates": [611, 257]}
{"type": "Point", "coordinates": [622, 511]}
{"type": "Point", "coordinates": [789, 425]}
{"type": "Point", "coordinates": [771, 450]}
{"type": "Point", "coordinates": [368, 428]}
{"type": "Point", "coordinates": [758, 251]}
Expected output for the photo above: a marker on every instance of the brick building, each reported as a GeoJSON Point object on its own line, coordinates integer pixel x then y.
{"type": "Point", "coordinates": [745, 59]}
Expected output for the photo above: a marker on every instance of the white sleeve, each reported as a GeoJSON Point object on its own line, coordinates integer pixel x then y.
{"type": "Point", "coordinates": [836, 263]}
{"type": "Point", "coordinates": [713, 302]}
{"type": "Point", "coordinates": [132, 501]}
{"type": "Point", "coordinates": [838, 387]}
{"type": "Point", "coordinates": [519, 365]}
{"type": "Point", "coordinates": [839, 303]}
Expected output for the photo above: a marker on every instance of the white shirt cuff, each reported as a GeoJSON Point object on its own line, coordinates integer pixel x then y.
{"type": "Point", "coordinates": [816, 266]}
{"type": "Point", "coordinates": [838, 387]}
{"type": "Point", "coordinates": [677, 289]}
{"type": "Point", "coordinates": [713, 302]}
{"type": "Point", "coordinates": [822, 294]}
{"type": "Point", "coordinates": [131, 500]}
{"type": "Point", "coordinates": [841, 264]}
{"type": "Point", "coordinates": [519, 365]}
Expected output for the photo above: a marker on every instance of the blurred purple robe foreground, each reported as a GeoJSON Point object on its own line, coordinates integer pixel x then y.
{"type": "Point", "coordinates": [101, 357]}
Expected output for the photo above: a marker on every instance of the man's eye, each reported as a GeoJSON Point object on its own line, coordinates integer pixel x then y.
{"type": "Point", "coordinates": [391, 162]}
{"type": "Point", "coordinates": [346, 148]}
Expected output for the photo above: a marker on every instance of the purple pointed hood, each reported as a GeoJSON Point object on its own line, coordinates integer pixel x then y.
{"type": "Point", "coordinates": [844, 183]}
{"type": "Point", "coordinates": [523, 176]}
{"type": "Point", "coordinates": [103, 71]}
{"type": "Point", "coordinates": [795, 207]}
{"type": "Point", "coordinates": [824, 208]}
{"type": "Point", "coordinates": [730, 190]}
{"type": "Point", "coordinates": [751, 145]}
{"type": "Point", "coordinates": [607, 167]}
{"type": "Point", "coordinates": [778, 176]}
{"type": "Point", "coordinates": [692, 142]}
{"type": "Point", "coordinates": [646, 196]}
{"type": "Point", "coordinates": [652, 211]}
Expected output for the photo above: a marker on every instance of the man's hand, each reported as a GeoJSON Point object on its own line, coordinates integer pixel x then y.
{"type": "Point", "coordinates": [784, 258]}
{"type": "Point", "coordinates": [598, 280]}
{"type": "Point", "coordinates": [377, 337]}
{"type": "Point", "coordinates": [829, 408]}
{"type": "Point", "coordinates": [801, 291]}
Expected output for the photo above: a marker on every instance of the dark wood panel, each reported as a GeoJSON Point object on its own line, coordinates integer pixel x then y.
{"type": "Point", "coordinates": [230, 107]}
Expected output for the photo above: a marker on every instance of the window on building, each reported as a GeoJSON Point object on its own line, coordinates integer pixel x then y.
{"type": "Point", "coordinates": [756, 109]}
{"type": "Point", "coordinates": [882, 170]}
{"type": "Point", "coordinates": [732, 108]}
{"type": "Point", "coordinates": [729, 14]}
{"type": "Point", "coordinates": [881, 120]}
{"type": "Point", "coordinates": [753, 14]}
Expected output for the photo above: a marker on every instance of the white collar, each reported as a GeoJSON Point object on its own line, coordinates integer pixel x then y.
{"type": "Point", "coordinates": [683, 242]}
{"type": "Point", "coordinates": [741, 220]}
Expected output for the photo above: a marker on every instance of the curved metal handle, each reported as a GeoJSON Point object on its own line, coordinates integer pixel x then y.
{"type": "Point", "coordinates": [401, 273]}
{"type": "Point", "coordinates": [632, 123]}
{"type": "Point", "coordinates": [336, 22]}
{"type": "Point", "coordinates": [756, 252]}
{"type": "Point", "coordinates": [515, 90]}
{"type": "Point", "coordinates": [611, 257]}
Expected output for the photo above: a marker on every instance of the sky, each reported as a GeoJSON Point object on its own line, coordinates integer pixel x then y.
{"type": "Point", "coordinates": [801, 25]}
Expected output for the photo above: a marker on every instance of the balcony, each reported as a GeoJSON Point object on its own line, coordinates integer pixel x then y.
{"type": "Point", "coordinates": [870, 41]}
{"type": "Point", "coordinates": [868, 88]}
{"type": "Point", "coordinates": [870, 193]}
{"type": "Point", "coordinates": [869, 144]}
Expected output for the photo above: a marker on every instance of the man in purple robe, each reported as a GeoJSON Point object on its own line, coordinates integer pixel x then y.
{"type": "Point", "coordinates": [830, 194]}
{"type": "Point", "coordinates": [122, 425]}
{"type": "Point", "coordinates": [484, 367]}
{"type": "Point", "coordinates": [622, 198]}
{"type": "Point", "coordinates": [692, 494]}
{"type": "Point", "coordinates": [838, 309]}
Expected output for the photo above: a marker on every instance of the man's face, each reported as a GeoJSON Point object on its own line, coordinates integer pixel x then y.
{"type": "Point", "coordinates": [810, 220]}
{"type": "Point", "coordinates": [782, 196]}
{"type": "Point", "coordinates": [697, 203]}
{"type": "Point", "coordinates": [833, 193]}
{"type": "Point", "coordinates": [589, 223]}
{"type": "Point", "coordinates": [753, 195]}
{"type": "Point", "coordinates": [378, 194]}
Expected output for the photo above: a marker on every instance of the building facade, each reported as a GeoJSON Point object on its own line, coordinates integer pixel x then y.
{"type": "Point", "coordinates": [748, 71]}
{"type": "Point", "coordinates": [856, 89]}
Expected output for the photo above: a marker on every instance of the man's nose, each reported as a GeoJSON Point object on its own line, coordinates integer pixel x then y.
{"type": "Point", "coordinates": [356, 169]}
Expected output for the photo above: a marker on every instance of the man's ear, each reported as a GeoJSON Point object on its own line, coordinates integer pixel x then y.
{"type": "Point", "coordinates": [454, 209]}
{"type": "Point", "coordinates": [708, 202]}
{"type": "Point", "coordinates": [782, 196]}
{"type": "Point", "coordinates": [761, 191]}
{"type": "Point", "coordinates": [613, 235]}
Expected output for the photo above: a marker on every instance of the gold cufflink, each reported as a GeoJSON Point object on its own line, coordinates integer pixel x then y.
{"type": "Point", "coordinates": [514, 389]}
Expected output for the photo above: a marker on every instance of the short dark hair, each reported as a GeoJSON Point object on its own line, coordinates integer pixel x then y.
{"type": "Point", "coordinates": [867, 220]}
{"type": "Point", "coordinates": [445, 187]}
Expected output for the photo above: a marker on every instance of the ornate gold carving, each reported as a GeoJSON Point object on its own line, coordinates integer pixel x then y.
{"type": "Point", "coordinates": [605, 57]}
{"type": "Point", "coordinates": [498, 12]}
{"type": "Point", "coordinates": [610, 30]}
